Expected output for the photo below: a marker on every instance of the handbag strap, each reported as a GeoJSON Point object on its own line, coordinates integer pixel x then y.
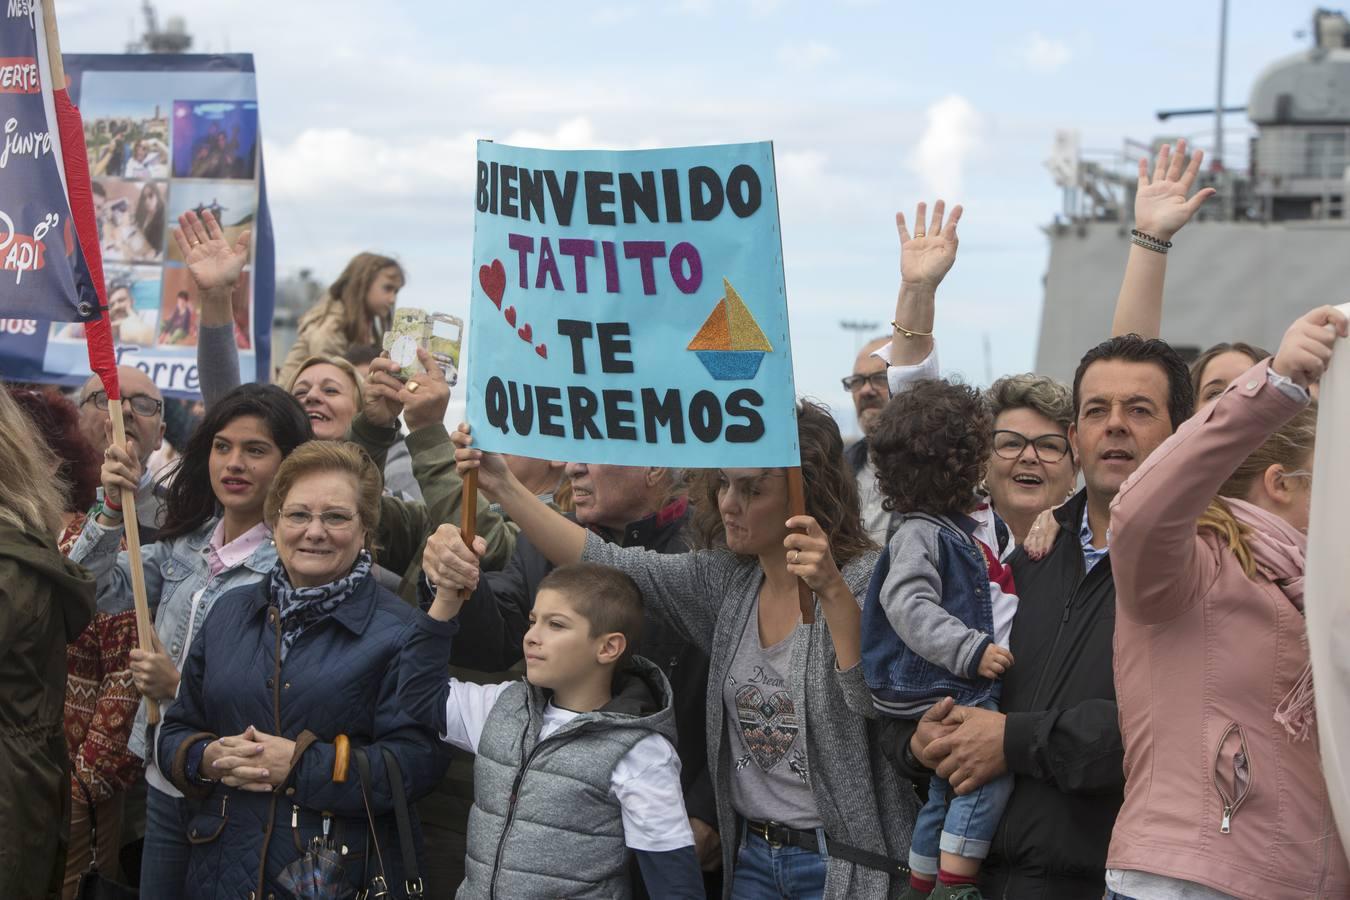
{"type": "Point", "coordinates": [363, 770]}
{"type": "Point", "coordinates": [93, 823]}
{"type": "Point", "coordinates": [412, 880]}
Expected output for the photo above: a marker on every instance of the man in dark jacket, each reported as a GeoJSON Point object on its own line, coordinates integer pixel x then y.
{"type": "Point", "coordinates": [45, 602]}
{"type": "Point", "coordinates": [1057, 729]}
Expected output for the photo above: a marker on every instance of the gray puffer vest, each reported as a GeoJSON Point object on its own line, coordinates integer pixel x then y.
{"type": "Point", "coordinates": [544, 823]}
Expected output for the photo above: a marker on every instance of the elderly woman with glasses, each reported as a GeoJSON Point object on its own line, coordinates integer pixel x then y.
{"type": "Point", "coordinates": [1031, 468]}
{"type": "Point", "coordinates": [295, 677]}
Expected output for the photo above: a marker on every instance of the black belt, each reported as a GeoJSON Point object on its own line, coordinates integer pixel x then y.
{"type": "Point", "coordinates": [779, 835]}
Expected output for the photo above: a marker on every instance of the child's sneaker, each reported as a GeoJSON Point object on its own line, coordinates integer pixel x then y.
{"type": "Point", "coordinates": [913, 893]}
{"type": "Point", "coordinates": [956, 892]}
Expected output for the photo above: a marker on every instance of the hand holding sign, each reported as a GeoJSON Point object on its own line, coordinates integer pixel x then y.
{"type": "Point", "coordinates": [927, 256]}
{"type": "Point", "coordinates": [809, 557]}
{"type": "Point", "coordinates": [494, 478]}
{"type": "Point", "coordinates": [121, 474]}
{"type": "Point", "coordinates": [450, 563]}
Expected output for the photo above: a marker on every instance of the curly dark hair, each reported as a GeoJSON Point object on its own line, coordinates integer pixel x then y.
{"type": "Point", "coordinates": [930, 447]}
{"type": "Point", "coordinates": [58, 421]}
{"type": "Point", "coordinates": [831, 489]}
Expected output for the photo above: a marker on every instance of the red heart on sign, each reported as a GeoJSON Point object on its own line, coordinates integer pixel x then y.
{"type": "Point", "coordinates": [493, 280]}
{"type": "Point", "coordinates": [542, 350]}
{"type": "Point", "coordinates": [510, 313]}
{"type": "Point", "coordinates": [526, 333]}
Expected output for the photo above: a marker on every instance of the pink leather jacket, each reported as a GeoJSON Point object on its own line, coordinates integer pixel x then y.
{"type": "Point", "coordinates": [1216, 791]}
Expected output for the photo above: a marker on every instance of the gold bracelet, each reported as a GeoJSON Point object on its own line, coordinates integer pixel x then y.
{"type": "Point", "coordinates": [909, 334]}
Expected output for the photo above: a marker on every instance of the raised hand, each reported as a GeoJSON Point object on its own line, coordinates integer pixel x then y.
{"type": "Point", "coordinates": [927, 255]}
{"type": "Point", "coordinates": [211, 260]}
{"type": "Point", "coordinates": [1161, 206]}
{"type": "Point", "coordinates": [1307, 345]}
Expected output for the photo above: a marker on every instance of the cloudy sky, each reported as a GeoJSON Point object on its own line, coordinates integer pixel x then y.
{"type": "Point", "coordinates": [370, 113]}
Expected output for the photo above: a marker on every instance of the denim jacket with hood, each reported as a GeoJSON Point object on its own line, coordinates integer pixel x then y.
{"type": "Point", "coordinates": [927, 619]}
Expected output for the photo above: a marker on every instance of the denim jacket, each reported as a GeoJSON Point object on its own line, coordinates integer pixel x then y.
{"type": "Point", "coordinates": [175, 572]}
{"type": "Point", "coordinates": [927, 619]}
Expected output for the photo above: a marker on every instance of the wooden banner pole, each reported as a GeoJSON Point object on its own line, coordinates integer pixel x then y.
{"type": "Point", "coordinates": [468, 504]}
{"type": "Point", "coordinates": [144, 627]}
{"type": "Point", "coordinates": [797, 507]}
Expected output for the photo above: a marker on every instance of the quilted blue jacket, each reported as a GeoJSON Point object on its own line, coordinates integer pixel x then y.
{"type": "Point", "coordinates": [372, 671]}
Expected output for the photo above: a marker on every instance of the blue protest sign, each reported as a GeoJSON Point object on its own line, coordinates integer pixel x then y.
{"type": "Point", "coordinates": [629, 308]}
{"type": "Point", "coordinates": [165, 133]}
{"type": "Point", "coordinates": [42, 269]}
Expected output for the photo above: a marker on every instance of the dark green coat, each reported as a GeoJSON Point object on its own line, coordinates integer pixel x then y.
{"type": "Point", "coordinates": [45, 602]}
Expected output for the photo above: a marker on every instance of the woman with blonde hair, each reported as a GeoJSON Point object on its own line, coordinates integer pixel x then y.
{"type": "Point", "coordinates": [45, 602]}
{"type": "Point", "coordinates": [356, 310]}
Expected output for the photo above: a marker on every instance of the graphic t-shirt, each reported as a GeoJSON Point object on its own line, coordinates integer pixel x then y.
{"type": "Point", "coordinates": [770, 777]}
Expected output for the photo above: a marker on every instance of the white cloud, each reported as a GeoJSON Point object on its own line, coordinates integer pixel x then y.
{"type": "Point", "coordinates": [1045, 54]}
{"type": "Point", "coordinates": [950, 136]}
{"type": "Point", "coordinates": [332, 162]}
{"type": "Point", "coordinates": [808, 54]}
{"type": "Point", "coordinates": [764, 7]}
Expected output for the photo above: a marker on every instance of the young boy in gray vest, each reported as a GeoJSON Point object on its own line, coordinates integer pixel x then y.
{"type": "Point", "coordinates": [576, 765]}
{"type": "Point", "coordinates": [939, 609]}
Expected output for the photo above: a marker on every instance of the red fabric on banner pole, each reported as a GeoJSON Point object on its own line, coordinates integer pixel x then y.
{"type": "Point", "coordinates": [98, 332]}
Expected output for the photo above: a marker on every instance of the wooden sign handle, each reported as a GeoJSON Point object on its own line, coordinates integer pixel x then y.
{"type": "Point", "coordinates": [797, 507]}
{"type": "Point", "coordinates": [144, 627]}
{"type": "Point", "coordinates": [468, 504]}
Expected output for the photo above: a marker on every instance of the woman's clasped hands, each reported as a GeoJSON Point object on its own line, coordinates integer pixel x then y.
{"type": "Point", "coordinates": [251, 761]}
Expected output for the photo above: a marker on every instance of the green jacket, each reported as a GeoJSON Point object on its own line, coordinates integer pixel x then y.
{"type": "Point", "coordinates": [404, 526]}
{"type": "Point", "coordinates": [45, 602]}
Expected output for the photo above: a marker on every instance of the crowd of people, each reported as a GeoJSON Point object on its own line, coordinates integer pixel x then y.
{"type": "Point", "coordinates": [1058, 647]}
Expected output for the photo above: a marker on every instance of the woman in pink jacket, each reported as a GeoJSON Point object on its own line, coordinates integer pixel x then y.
{"type": "Point", "coordinates": [1224, 795]}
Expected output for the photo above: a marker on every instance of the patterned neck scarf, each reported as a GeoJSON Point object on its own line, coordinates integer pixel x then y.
{"type": "Point", "coordinates": [304, 607]}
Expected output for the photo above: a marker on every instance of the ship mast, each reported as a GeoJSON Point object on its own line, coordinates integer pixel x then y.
{"type": "Point", "coordinates": [1218, 102]}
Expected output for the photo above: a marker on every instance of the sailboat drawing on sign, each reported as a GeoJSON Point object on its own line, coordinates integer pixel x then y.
{"type": "Point", "coordinates": [730, 344]}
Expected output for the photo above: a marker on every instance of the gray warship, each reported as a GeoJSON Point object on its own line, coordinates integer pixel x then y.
{"type": "Point", "coordinates": [1274, 243]}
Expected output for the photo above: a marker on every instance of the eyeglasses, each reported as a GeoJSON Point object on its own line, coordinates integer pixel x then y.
{"type": "Point", "coordinates": [1048, 447]}
{"type": "Point", "coordinates": [141, 404]}
{"type": "Point", "coordinates": [877, 380]}
{"type": "Point", "coordinates": [331, 520]}
{"type": "Point", "coordinates": [1301, 473]}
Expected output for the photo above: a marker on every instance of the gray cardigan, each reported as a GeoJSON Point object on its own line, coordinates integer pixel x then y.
{"type": "Point", "coordinates": [710, 595]}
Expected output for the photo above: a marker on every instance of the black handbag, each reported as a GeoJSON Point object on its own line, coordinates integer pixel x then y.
{"type": "Point", "coordinates": [93, 884]}
{"type": "Point", "coordinates": [376, 887]}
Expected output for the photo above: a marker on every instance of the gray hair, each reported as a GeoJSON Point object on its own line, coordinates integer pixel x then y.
{"type": "Point", "coordinates": [1038, 393]}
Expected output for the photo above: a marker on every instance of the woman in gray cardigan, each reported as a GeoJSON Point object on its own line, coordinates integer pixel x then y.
{"type": "Point", "coordinates": [813, 806]}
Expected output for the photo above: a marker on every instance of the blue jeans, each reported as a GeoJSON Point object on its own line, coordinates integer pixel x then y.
{"type": "Point", "coordinates": [786, 873]}
{"type": "Point", "coordinates": [960, 825]}
{"type": "Point", "coordinates": [164, 861]}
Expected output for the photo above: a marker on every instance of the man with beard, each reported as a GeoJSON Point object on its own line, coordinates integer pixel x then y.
{"type": "Point", "coordinates": [870, 394]}
{"type": "Point", "coordinates": [1057, 729]}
